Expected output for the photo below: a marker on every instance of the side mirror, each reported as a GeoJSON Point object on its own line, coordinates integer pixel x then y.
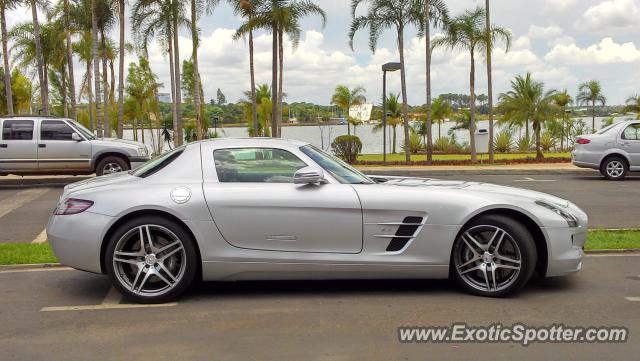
{"type": "Point", "coordinates": [76, 137]}
{"type": "Point", "coordinates": [309, 175]}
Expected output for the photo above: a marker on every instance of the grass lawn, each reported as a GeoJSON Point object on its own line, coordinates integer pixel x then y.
{"type": "Point", "coordinates": [422, 157]}
{"type": "Point", "coordinates": [27, 253]}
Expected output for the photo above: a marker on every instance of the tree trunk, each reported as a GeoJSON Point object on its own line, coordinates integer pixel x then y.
{"type": "Point", "coordinates": [274, 82]}
{"type": "Point", "coordinates": [96, 68]}
{"type": "Point", "coordinates": [44, 89]}
{"type": "Point", "coordinates": [427, 32]}
{"type": "Point", "coordinates": [472, 106]}
{"type": "Point", "coordinates": [72, 81]}
{"type": "Point", "coordinates": [593, 116]}
{"type": "Point", "coordinates": [348, 126]}
{"type": "Point", "coordinates": [489, 82]}
{"type": "Point", "coordinates": [537, 126]}
{"type": "Point", "coordinates": [121, 17]}
{"type": "Point", "coordinates": [196, 72]}
{"type": "Point", "coordinates": [394, 140]}
{"type": "Point", "coordinates": [405, 106]}
{"type": "Point", "coordinates": [92, 124]}
{"type": "Point", "coordinates": [173, 87]}
{"type": "Point", "coordinates": [280, 79]}
{"type": "Point", "coordinates": [5, 58]}
{"type": "Point", "coordinates": [65, 109]}
{"type": "Point", "coordinates": [179, 136]}
{"type": "Point", "coordinates": [252, 70]}
{"type": "Point", "coordinates": [105, 86]}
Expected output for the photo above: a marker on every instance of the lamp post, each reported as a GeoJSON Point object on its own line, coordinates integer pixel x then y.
{"type": "Point", "coordinates": [385, 68]}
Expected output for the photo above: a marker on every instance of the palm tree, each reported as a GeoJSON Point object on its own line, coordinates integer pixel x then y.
{"type": "Point", "coordinates": [96, 67]}
{"type": "Point", "coordinates": [394, 118]}
{"type": "Point", "coordinates": [345, 98]}
{"type": "Point", "coordinates": [438, 18]}
{"type": "Point", "coordinates": [121, 43]}
{"type": "Point", "coordinates": [633, 105]}
{"type": "Point", "coordinates": [247, 10]}
{"type": "Point", "coordinates": [467, 32]}
{"type": "Point", "coordinates": [590, 92]}
{"type": "Point", "coordinates": [440, 110]}
{"type": "Point", "coordinates": [263, 99]}
{"type": "Point", "coordinates": [69, 51]}
{"type": "Point", "coordinates": [6, 5]}
{"type": "Point", "coordinates": [142, 85]}
{"type": "Point", "coordinates": [489, 49]}
{"type": "Point", "coordinates": [22, 92]}
{"type": "Point", "coordinates": [44, 86]}
{"type": "Point", "coordinates": [528, 100]}
{"type": "Point", "coordinates": [562, 101]}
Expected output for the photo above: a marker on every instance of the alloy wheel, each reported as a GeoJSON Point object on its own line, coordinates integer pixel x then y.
{"type": "Point", "coordinates": [111, 168]}
{"type": "Point", "coordinates": [149, 260]}
{"type": "Point", "coordinates": [488, 258]}
{"type": "Point", "coordinates": [615, 169]}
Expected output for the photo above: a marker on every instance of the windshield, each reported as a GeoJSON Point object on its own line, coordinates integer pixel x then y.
{"type": "Point", "coordinates": [342, 171]}
{"type": "Point", "coordinates": [156, 164]}
{"type": "Point", "coordinates": [81, 128]}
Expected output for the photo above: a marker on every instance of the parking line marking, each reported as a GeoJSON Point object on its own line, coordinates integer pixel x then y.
{"type": "Point", "coordinates": [633, 299]}
{"type": "Point", "coordinates": [103, 307]}
{"type": "Point", "coordinates": [528, 179]}
{"type": "Point", "coordinates": [21, 198]}
{"type": "Point", "coordinates": [41, 238]}
{"type": "Point", "coordinates": [113, 297]}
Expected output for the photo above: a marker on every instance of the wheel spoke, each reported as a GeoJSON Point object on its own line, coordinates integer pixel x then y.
{"type": "Point", "coordinates": [135, 280]}
{"type": "Point", "coordinates": [474, 259]}
{"type": "Point", "coordinates": [129, 261]}
{"type": "Point", "coordinates": [170, 253]}
{"type": "Point", "coordinates": [476, 248]}
{"type": "Point", "coordinates": [506, 259]}
{"type": "Point", "coordinates": [166, 270]}
{"type": "Point", "coordinates": [486, 277]}
{"type": "Point", "coordinates": [493, 276]}
{"type": "Point", "coordinates": [470, 270]}
{"type": "Point", "coordinates": [160, 276]}
{"type": "Point", "coordinates": [507, 266]}
{"type": "Point", "coordinates": [144, 280]}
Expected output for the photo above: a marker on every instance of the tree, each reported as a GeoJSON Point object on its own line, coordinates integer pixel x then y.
{"type": "Point", "coordinates": [527, 99]}
{"type": "Point", "coordinates": [590, 92]}
{"type": "Point", "coordinates": [345, 98]}
{"type": "Point", "coordinates": [44, 86]}
{"type": "Point", "coordinates": [121, 46]}
{"type": "Point", "coordinates": [440, 110]}
{"type": "Point", "coordinates": [435, 11]}
{"type": "Point", "coordinates": [21, 91]}
{"type": "Point", "coordinates": [562, 101]}
{"type": "Point", "coordinates": [222, 100]}
{"type": "Point", "coordinates": [633, 105]}
{"type": "Point", "coordinates": [6, 5]}
{"type": "Point", "coordinates": [263, 98]}
{"type": "Point", "coordinates": [96, 67]}
{"type": "Point", "coordinates": [467, 32]}
{"type": "Point", "coordinates": [394, 118]}
{"type": "Point", "coordinates": [142, 86]}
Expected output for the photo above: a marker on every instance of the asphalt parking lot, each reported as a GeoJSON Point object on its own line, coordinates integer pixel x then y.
{"type": "Point", "coordinates": [67, 314]}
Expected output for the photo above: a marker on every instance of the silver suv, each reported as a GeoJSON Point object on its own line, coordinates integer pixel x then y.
{"type": "Point", "coordinates": [48, 145]}
{"type": "Point", "coordinates": [614, 150]}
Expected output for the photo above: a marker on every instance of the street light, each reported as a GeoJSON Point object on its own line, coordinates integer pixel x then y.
{"type": "Point", "coordinates": [385, 68]}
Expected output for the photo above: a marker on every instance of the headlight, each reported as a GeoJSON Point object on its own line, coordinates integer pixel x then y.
{"type": "Point", "coordinates": [572, 221]}
{"type": "Point", "coordinates": [143, 152]}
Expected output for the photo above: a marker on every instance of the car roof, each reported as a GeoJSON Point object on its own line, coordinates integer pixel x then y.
{"type": "Point", "coordinates": [253, 142]}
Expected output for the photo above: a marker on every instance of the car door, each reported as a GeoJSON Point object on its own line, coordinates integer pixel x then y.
{"type": "Point", "coordinates": [256, 205]}
{"type": "Point", "coordinates": [57, 150]}
{"type": "Point", "coordinates": [18, 150]}
{"type": "Point", "coordinates": [630, 143]}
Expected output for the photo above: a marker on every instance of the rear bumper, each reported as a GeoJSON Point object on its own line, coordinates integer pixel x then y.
{"type": "Point", "coordinates": [585, 159]}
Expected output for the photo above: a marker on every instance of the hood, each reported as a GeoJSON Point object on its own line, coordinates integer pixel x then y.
{"type": "Point", "coordinates": [120, 142]}
{"type": "Point", "coordinates": [106, 180]}
{"type": "Point", "coordinates": [476, 187]}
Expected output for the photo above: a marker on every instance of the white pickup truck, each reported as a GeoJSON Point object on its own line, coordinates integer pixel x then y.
{"type": "Point", "coordinates": [31, 145]}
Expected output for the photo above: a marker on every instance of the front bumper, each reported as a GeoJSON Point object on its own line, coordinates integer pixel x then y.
{"type": "Point", "coordinates": [77, 239]}
{"type": "Point", "coordinates": [565, 250]}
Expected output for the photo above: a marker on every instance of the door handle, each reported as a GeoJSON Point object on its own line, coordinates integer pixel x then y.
{"type": "Point", "coordinates": [42, 145]}
{"type": "Point", "coordinates": [4, 146]}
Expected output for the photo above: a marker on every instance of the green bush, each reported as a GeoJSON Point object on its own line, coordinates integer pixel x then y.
{"type": "Point", "coordinates": [447, 145]}
{"type": "Point", "coordinates": [347, 147]}
{"type": "Point", "coordinates": [503, 143]}
{"type": "Point", "coordinates": [547, 141]}
{"type": "Point", "coordinates": [415, 143]}
{"type": "Point", "coordinates": [525, 144]}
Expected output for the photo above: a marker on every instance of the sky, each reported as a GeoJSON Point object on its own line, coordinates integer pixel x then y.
{"type": "Point", "coordinates": [561, 42]}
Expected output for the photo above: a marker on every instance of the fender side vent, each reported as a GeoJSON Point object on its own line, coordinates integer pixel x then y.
{"type": "Point", "coordinates": [405, 233]}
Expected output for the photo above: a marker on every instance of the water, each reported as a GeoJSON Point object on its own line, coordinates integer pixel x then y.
{"type": "Point", "coordinates": [371, 140]}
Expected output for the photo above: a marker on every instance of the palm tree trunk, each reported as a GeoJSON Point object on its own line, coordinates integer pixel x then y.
{"type": "Point", "coordinates": [537, 126]}
{"type": "Point", "coordinates": [280, 79]}
{"type": "Point", "coordinates": [593, 116]}
{"type": "Point", "coordinates": [427, 32]}
{"type": "Point", "coordinates": [92, 125]}
{"type": "Point", "coordinates": [405, 106]}
{"type": "Point", "coordinates": [252, 70]}
{"type": "Point", "coordinates": [121, 17]}
{"type": "Point", "coordinates": [5, 59]}
{"type": "Point", "coordinates": [72, 81]}
{"type": "Point", "coordinates": [348, 126]}
{"type": "Point", "coordinates": [439, 129]}
{"type": "Point", "coordinates": [472, 105]}
{"type": "Point", "coordinates": [96, 67]}
{"type": "Point", "coordinates": [63, 75]}
{"type": "Point", "coordinates": [44, 89]}
{"type": "Point", "coordinates": [176, 54]}
{"type": "Point", "coordinates": [489, 82]}
{"type": "Point", "coordinates": [394, 140]}
{"type": "Point", "coordinates": [196, 71]}
{"type": "Point", "coordinates": [173, 87]}
{"type": "Point", "coordinates": [105, 85]}
{"type": "Point", "coordinates": [274, 82]}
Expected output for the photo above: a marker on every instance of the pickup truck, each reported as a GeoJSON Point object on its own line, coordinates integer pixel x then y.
{"type": "Point", "coordinates": [32, 145]}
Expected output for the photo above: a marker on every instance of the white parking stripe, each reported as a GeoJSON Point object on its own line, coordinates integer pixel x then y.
{"type": "Point", "coordinates": [21, 198]}
{"type": "Point", "coordinates": [633, 299]}
{"type": "Point", "coordinates": [41, 238]}
{"type": "Point", "coordinates": [528, 179]}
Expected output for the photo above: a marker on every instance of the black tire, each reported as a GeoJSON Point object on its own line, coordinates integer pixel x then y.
{"type": "Point", "coordinates": [105, 164]}
{"type": "Point", "coordinates": [521, 237]}
{"type": "Point", "coordinates": [186, 276]}
{"type": "Point", "coordinates": [614, 168]}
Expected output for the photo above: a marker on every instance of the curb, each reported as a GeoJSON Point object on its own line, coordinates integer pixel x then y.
{"type": "Point", "coordinates": [14, 267]}
{"type": "Point", "coordinates": [612, 251]}
{"type": "Point", "coordinates": [448, 172]}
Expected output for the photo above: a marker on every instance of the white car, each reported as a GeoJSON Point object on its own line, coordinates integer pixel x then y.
{"type": "Point", "coordinates": [272, 209]}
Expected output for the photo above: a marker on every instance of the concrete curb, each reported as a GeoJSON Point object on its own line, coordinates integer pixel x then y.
{"type": "Point", "coordinates": [425, 171]}
{"type": "Point", "coordinates": [612, 251]}
{"type": "Point", "coordinates": [14, 267]}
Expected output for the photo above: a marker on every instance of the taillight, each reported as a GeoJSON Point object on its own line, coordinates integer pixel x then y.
{"type": "Point", "coordinates": [583, 141]}
{"type": "Point", "coordinates": [72, 206]}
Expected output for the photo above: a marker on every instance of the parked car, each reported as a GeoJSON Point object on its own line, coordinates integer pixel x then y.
{"type": "Point", "coordinates": [614, 150]}
{"type": "Point", "coordinates": [273, 209]}
{"type": "Point", "coordinates": [48, 145]}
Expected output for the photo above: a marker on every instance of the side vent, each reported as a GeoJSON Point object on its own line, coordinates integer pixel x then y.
{"type": "Point", "coordinates": [405, 233]}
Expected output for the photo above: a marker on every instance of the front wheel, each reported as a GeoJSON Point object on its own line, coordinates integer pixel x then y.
{"type": "Point", "coordinates": [493, 256]}
{"type": "Point", "coordinates": [110, 165]}
{"type": "Point", "coordinates": [614, 168]}
{"type": "Point", "coordinates": [151, 259]}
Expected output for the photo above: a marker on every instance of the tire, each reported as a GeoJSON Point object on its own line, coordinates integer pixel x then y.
{"type": "Point", "coordinates": [160, 273]}
{"type": "Point", "coordinates": [492, 273]}
{"type": "Point", "coordinates": [614, 168]}
{"type": "Point", "coordinates": [110, 165]}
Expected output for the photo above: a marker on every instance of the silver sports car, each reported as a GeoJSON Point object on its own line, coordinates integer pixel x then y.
{"type": "Point", "coordinates": [272, 209]}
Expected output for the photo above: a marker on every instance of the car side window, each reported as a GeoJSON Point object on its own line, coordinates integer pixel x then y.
{"type": "Point", "coordinates": [55, 130]}
{"type": "Point", "coordinates": [632, 132]}
{"type": "Point", "coordinates": [256, 165]}
{"type": "Point", "coordinates": [15, 129]}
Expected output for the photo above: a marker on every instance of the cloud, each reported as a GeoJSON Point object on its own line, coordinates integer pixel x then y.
{"type": "Point", "coordinates": [558, 6]}
{"type": "Point", "coordinates": [607, 51]}
{"type": "Point", "coordinates": [544, 32]}
{"type": "Point", "coordinates": [610, 15]}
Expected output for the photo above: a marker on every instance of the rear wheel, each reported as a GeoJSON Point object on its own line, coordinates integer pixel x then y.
{"type": "Point", "coordinates": [614, 168]}
{"type": "Point", "coordinates": [151, 259]}
{"type": "Point", "coordinates": [110, 165]}
{"type": "Point", "coordinates": [493, 256]}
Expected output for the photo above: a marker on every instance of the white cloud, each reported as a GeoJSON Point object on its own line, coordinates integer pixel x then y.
{"type": "Point", "coordinates": [610, 15]}
{"type": "Point", "coordinates": [544, 32]}
{"type": "Point", "coordinates": [607, 51]}
{"type": "Point", "coordinates": [558, 6]}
